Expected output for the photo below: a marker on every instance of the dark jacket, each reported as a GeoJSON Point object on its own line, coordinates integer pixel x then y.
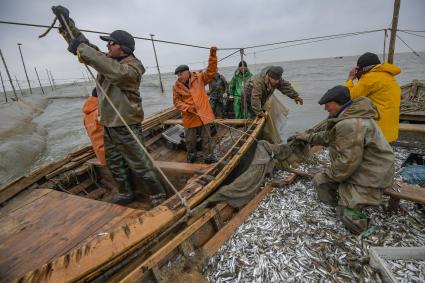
{"type": "Point", "coordinates": [258, 90]}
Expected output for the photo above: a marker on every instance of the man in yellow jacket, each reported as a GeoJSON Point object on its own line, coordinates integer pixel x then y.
{"type": "Point", "coordinates": [376, 81]}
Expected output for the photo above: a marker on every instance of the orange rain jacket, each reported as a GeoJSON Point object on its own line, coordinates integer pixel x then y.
{"type": "Point", "coordinates": [380, 86]}
{"type": "Point", "coordinates": [94, 128]}
{"type": "Point", "coordinates": [184, 98]}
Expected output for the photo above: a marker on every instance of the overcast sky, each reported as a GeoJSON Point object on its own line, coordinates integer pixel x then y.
{"type": "Point", "coordinates": [206, 23]}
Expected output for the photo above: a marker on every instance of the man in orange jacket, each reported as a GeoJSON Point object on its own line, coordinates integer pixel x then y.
{"type": "Point", "coordinates": [93, 127]}
{"type": "Point", "coordinates": [190, 97]}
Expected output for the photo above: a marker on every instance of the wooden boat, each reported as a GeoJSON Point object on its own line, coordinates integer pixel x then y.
{"type": "Point", "coordinates": [412, 115]}
{"type": "Point", "coordinates": [57, 226]}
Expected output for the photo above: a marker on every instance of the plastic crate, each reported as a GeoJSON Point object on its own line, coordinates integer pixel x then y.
{"type": "Point", "coordinates": [379, 257]}
{"type": "Point", "coordinates": [174, 134]}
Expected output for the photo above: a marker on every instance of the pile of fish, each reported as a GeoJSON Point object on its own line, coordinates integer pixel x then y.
{"type": "Point", "coordinates": [408, 271]}
{"type": "Point", "coordinates": [292, 236]}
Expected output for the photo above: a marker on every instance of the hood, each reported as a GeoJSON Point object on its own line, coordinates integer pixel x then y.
{"type": "Point", "coordinates": [90, 105]}
{"type": "Point", "coordinates": [238, 74]}
{"type": "Point", "coordinates": [388, 68]}
{"type": "Point", "coordinates": [361, 107]}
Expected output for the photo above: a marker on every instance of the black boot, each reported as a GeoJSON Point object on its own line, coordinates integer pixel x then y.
{"type": "Point", "coordinates": [125, 194]}
{"type": "Point", "coordinates": [210, 159]}
{"type": "Point", "coordinates": [191, 158]}
{"type": "Point", "coordinates": [157, 199]}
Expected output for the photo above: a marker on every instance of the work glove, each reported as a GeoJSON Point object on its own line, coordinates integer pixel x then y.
{"type": "Point", "coordinates": [298, 100]}
{"type": "Point", "coordinates": [320, 178]}
{"type": "Point", "coordinates": [73, 45]}
{"type": "Point", "coordinates": [300, 136]}
{"type": "Point", "coordinates": [60, 11]}
{"type": "Point", "coordinates": [213, 51]}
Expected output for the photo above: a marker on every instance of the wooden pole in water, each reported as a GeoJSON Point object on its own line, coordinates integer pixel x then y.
{"type": "Point", "coordinates": [19, 86]}
{"type": "Point", "coordinates": [53, 80]}
{"type": "Point", "coordinates": [88, 77]}
{"type": "Point", "coordinates": [385, 44]}
{"type": "Point", "coordinates": [8, 75]}
{"type": "Point", "coordinates": [2, 84]}
{"type": "Point", "coordinates": [393, 31]}
{"type": "Point", "coordinates": [245, 104]}
{"type": "Point", "coordinates": [48, 77]}
{"type": "Point", "coordinates": [42, 90]}
{"type": "Point", "coordinates": [157, 65]}
{"type": "Point", "coordinates": [25, 69]}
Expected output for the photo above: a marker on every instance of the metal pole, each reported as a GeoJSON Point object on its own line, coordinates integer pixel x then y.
{"type": "Point", "coordinates": [2, 83]}
{"type": "Point", "coordinates": [385, 45]}
{"type": "Point", "coordinates": [393, 31]}
{"type": "Point", "coordinates": [48, 77]}
{"type": "Point", "coordinates": [42, 90]}
{"type": "Point", "coordinates": [8, 75]}
{"type": "Point", "coordinates": [157, 66]}
{"type": "Point", "coordinates": [25, 69]}
{"type": "Point", "coordinates": [19, 86]}
{"type": "Point", "coordinates": [53, 81]}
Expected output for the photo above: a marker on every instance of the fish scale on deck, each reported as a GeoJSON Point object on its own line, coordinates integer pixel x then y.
{"type": "Point", "coordinates": [292, 237]}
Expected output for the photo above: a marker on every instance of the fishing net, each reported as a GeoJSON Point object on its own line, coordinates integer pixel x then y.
{"type": "Point", "coordinates": [413, 97]}
{"type": "Point", "coordinates": [246, 185]}
{"type": "Point", "coordinates": [276, 120]}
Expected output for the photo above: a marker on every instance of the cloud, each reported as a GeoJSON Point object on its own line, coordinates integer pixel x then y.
{"type": "Point", "coordinates": [221, 23]}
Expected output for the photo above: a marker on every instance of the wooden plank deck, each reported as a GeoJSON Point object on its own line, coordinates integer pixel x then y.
{"type": "Point", "coordinates": [45, 224]}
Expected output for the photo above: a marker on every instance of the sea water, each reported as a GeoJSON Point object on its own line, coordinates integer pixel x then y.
{"type": "Point", "coordinates": [43, 128]}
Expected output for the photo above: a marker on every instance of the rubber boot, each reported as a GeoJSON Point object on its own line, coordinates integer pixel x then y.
{"type": "Point", "coordinates": [355, 221]}
{"type": "Point", "coordinates": [191, 158]}
{"type": "Point", "coordinates": [125, 194]}
{"type": "Point", "coordinates": [210, 159]}
{"type": "Point", "coordinates": [157, 199]}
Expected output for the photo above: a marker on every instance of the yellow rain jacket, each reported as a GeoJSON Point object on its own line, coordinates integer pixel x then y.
{"type": "Point", "coordinates": [380, 86]}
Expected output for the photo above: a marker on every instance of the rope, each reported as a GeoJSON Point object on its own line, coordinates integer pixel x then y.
{"type": "Point", "coordinates": [413, 51]}
{"type": "Point", "coordinates": [183, 200]}
{"type": "Point", "coordinates": [205, 47]}
{"type": "Point", "coordinates": [311, 38]}
{"type": "Point", "coordinates": [302, 43]}
{"type": "Point", "coordinates": [404, 30]}
{"type": "Point", "coordinates": [224, 125]}
{"type": "Point", "coordinates": [408, 32]}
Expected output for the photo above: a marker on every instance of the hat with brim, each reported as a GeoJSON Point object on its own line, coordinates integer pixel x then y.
{"type": "Point", "coordinates": [275, 72]}
{"type": "Point", "coordinates": [339, 94]}
{"type": "Point", "coordinates": [181, 68]}
{"type": "Point", "coordinates": [123, 38]}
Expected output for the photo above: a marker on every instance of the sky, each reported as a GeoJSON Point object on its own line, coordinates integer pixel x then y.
{"type": "Point", "coordinates": [220, 23]}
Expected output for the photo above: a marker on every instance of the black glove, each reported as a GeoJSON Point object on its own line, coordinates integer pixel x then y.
{"type": "Point", "coordinates": [60, 11]}
{"type": "Point", "coordinates": [73, 45]}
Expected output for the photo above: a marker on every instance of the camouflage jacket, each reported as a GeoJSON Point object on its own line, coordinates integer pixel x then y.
{"type": "Point", "coordinates": [358, 151]}
{"type": "Point", "coordinates": [258, 89]}
{"type": "Point", "coordinates": [119, 78]}
{"type": "Point", "coordinates": [217, 86]}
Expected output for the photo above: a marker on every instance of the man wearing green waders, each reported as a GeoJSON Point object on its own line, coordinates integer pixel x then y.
{"type": "Point", "coordinates": [242, 74]}
{"type": "Point", "coordinates": [119, 75]}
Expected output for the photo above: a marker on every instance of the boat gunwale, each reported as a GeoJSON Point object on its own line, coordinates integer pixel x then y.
{"type": "Point", "coordinates": [61, 268]}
